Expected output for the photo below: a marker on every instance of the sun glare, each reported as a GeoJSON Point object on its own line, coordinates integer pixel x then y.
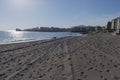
{"type": "Point", "coordinates": [20, 4]}
{"type": "Point", "coordinates": [16, 34]}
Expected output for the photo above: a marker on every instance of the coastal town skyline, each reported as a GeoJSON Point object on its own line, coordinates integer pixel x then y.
{"type": "Point", "coordinates": [61, 13]}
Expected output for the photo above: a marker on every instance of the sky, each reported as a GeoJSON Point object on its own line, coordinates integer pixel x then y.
{"type": "Point", "coordinates": [58, 13]}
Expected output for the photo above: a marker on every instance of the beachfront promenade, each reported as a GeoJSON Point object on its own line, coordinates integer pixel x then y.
{"type": "Point", "coordinates": [91, 57]}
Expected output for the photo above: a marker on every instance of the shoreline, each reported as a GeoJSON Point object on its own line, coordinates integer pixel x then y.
{"type": "Point", "coordinates": [12, 39]}
{"type": "Point", "coordinates": [22, 41]}
{"type": "Point", "coordinates": [33, 40]}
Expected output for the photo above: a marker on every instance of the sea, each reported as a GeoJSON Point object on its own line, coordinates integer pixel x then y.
{"type": "Point", "coordinates": [17, 36]}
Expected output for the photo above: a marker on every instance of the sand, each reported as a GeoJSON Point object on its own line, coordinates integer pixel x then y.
{"type": "Point", "coordinates": [91, 57]}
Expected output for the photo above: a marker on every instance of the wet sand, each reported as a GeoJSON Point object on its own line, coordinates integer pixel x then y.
{"type": "Point", "coordinates": [91, 57]}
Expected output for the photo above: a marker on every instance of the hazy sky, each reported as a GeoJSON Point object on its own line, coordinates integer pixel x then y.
{"type": "Point", "coordinates": [58, 13]}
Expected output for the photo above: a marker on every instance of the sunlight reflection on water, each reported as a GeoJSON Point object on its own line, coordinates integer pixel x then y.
{"type": "Point", "coordinates": [8, 36]}
{"type": "Point", "coordinates": [16, 34]}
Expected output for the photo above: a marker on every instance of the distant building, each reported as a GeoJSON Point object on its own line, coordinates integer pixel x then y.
{"type": "Point", "coordinates": [109, 25]}
{"type": "Point", "coordinates": [115, 23]}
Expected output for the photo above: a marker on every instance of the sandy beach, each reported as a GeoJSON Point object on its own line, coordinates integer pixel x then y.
{"type": "Point", "coordinates": [91, 57]}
